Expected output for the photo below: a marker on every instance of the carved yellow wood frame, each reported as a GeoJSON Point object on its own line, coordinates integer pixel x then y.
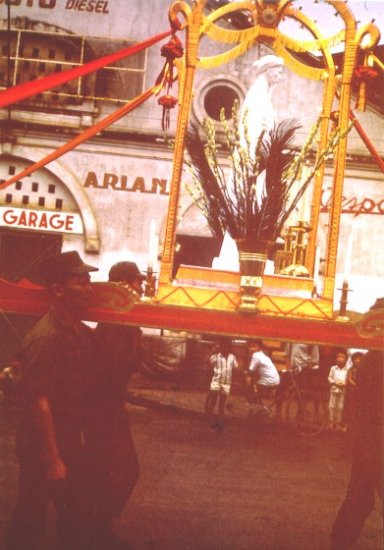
{"type": "Point", "coordinates": [200, 293]}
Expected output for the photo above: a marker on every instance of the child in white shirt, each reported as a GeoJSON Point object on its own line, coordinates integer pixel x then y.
{"type": "Point", "coordinates": [338, 380]}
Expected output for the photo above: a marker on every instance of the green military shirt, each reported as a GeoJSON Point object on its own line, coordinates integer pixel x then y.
{"type": "Point", "coordinates": [57, 362]}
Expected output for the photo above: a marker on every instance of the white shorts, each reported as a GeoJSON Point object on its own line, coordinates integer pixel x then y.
{"type": "Point", "coordinates": [220, 387]}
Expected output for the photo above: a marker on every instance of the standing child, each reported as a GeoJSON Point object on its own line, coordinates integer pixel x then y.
{"type": "Point", "coordinates": [223, 364]}
{"type": "Point", "coordinates": [338, 380]}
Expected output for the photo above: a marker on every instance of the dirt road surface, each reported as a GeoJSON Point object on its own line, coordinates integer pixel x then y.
{"type": "Point", "coordinates": [254, 487]}
{"type": "Point", "coordinates": [251, 487]}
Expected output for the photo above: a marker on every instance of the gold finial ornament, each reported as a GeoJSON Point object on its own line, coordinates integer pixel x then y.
{"type": "Point", "coordinates": [296, 242]}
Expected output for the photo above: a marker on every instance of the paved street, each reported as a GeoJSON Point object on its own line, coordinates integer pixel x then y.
{"type": "Point", "coordinates": [250, 487]}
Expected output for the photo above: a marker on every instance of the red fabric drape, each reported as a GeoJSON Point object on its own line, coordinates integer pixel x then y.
{"type": "Point", "coordinates": [28, 89]}
{"type": "Point", "coordinates": [367, 141]}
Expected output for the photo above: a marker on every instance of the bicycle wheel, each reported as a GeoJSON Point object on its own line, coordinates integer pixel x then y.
{"type": "Point", "coordinates": [309, 415]}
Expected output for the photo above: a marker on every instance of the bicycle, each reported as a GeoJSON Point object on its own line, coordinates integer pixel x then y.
{"type": "Point", "coordinates": [303, 408]}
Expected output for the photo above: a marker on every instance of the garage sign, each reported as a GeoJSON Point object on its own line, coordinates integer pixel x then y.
{"type": "Point", "coordinates": [41, 220]}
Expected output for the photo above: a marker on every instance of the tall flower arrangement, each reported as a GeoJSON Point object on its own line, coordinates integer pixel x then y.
{"type": "Point", "coordinates": [261, 190]}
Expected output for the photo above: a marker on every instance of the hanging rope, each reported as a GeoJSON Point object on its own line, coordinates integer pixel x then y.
{"type": "Point", "coordinates": [90, 132]}
{"type": "Point", "coordinates": [171, 51]}
{"type": "Point", "coordinates": [28, 89]}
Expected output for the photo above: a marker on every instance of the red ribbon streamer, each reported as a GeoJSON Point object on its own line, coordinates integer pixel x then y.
{"type": "Point", "coordinates": [90, 132]}
{"type": "Point", "coordinates": [368, 143]}
{"type": "Point", "coordinates": [27, 89]}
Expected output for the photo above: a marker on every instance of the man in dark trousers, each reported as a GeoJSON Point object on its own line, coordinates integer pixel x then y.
{"type": "Point", "coordinates": [111, 448]}
{"type": "Point", "coordinates": [56, 359]}
{"type": "Point", "coordinates": [366, 478]}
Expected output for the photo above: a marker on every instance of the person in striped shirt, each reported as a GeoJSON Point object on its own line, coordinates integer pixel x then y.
{"type": "Point", "coordinates": [223, 363]}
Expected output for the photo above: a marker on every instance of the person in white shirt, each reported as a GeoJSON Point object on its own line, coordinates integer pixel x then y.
{"type": "Point", "coordinates": [338, 381]}
{"type": "Point", "coordinates": [303, 356]}
{"type": "Point", "coordinates": [223, 364]}
{"type": "Point", "coordinates": [263, 375]}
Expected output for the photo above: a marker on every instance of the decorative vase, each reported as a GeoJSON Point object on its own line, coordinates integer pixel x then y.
{"type": "Point", "coordinates": [252, 256]}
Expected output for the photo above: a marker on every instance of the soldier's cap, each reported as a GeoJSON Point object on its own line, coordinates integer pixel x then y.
{"type": "Point", "coordinates": [125, 271]}
{"type": "Point", "coordinates": [58, 268]}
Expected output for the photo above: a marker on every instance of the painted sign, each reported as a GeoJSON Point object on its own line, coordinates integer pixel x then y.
{"type": "Point", "coordinates": [41, 220]}
{"type": "Point", "coordinates": [122, 183]}
{"type": "Point", "coordinates": [354, 205]}
{"type": "Point", "coordinates": [116, 19]}
{"type": "Point", "coordinates": [98, 6]}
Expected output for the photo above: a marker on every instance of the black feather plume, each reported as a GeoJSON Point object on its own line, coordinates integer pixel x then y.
{"type": "Point", "coordinates": [253, 201]}
{"type": "Point", "coordinates": [276, 158]}
{"type": "Point", "coordinates": [215, 203]}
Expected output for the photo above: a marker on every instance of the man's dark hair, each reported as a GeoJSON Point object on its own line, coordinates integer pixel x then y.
{"type": "Point", "coordinates": [344, 351]}
{"type": "Point", "coordinates": [258, 342]}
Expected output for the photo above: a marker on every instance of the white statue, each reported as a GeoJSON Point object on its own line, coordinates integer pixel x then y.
{"type": "Point", "coordinates": [257, 114]}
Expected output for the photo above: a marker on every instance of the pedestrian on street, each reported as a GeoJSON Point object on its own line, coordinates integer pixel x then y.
{"type": "Point", "coordinates": [338, 381]}
{"type": "Point", "coordinates": [263, 377]}
{"type": "Point", "coordinates": [303, 357]}
{"type": "Point", "coordinates": [223, 362]}
{"type": "Point", "coordinates": [56, 359]}
{"type": "Point", "coordinates": [112, 453]}
{"type": "Point", "coordinates": [304, 363]}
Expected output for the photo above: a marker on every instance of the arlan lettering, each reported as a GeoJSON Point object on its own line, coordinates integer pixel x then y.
{"type": "Point", "coordinates": [138, 185]}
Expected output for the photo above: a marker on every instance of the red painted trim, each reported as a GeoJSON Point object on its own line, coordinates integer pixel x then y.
{"type": "Point", "coordinates": [20, 298]}
{"type": "Point", "coordinates": [243, 325]}
{"type": "Point", "coordinates": [368, 143]}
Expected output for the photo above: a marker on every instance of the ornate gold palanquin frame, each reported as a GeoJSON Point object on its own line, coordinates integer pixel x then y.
{"type": "Point", "coordinates": [203, 293]}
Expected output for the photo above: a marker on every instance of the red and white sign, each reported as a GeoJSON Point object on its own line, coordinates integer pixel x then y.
{"type": "Point", "coordinates": [41, 220]}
